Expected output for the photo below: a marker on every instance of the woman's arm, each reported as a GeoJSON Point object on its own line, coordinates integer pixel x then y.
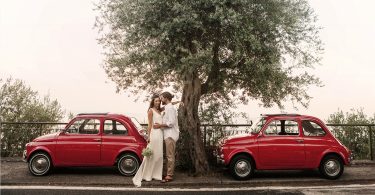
{"type": "Point", "coordinates": [170, 119]}
{"type": "Point", "coordinates": [149, 116]}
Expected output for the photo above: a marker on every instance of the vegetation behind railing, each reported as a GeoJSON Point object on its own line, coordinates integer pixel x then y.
{"type": "Point", "coordinates": [14, 136]}
{"type": "Point", "coordinates": [357, 137]}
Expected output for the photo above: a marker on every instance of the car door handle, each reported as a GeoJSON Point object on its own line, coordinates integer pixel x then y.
{"type": "Point", "coordinates": [299, 140]}
{"type": "Point", "coordinates": [97, 139]}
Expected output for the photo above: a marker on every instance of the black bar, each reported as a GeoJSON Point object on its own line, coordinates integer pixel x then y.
{"type": "Point", "coordinates": [350, 125]}
{"type": "Point", "coordinates": [371, 146]}
{"type": "Point", "coordinates": [33, 123]}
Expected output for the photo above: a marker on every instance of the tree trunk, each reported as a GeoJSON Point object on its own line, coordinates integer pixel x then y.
{"type": "Point", "coordinates": [189, 121]}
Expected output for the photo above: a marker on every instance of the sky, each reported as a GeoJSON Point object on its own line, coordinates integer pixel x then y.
{"type": "Point", "coordinates": [53, 47]}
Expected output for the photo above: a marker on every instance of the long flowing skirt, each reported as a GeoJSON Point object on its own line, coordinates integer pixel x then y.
{"type": "Point", "coordinates": [152, 166]}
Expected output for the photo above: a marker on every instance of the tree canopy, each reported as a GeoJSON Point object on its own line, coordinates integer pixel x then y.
{"type": "Point", "coordinates": [212, 50]}
{"type": "Point", "coordinates": [240, 48]}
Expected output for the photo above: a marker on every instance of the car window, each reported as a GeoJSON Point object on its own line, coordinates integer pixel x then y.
{"type": "Point", "coordinates": [136, 124]}
{"type": "Point", "coordinates": [85, 126]}
{"type": "Point", "coordinates": [256, 127]}
{"type": "Point", "coordinates": [311, 128]}
{"type": "Point", "coordinates": [113, 127]}
{"type": "Point", "coordinates": [282, 127]}
{"type": "Point", "coordinates": [73, 128]}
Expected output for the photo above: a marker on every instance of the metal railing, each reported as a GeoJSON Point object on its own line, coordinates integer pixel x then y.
{"type": "Point", "coordinates": [364, 131]}
{"type": "Point", "coordinates": [357, 137]}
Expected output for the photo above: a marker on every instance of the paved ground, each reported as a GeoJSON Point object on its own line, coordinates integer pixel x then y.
{"type": "Point", "coordinates": [14, 172]}
{"type": "Point", "coordinates": [316, 190]}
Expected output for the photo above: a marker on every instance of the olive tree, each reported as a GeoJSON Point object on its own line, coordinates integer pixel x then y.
{"type": "Point", "coordinates": [234, 50]}
{"type": "Point", "coordinates": [19, 103]}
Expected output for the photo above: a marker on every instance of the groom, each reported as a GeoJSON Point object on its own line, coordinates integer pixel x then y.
{"type": "Point", "coordinates": [171, 132]}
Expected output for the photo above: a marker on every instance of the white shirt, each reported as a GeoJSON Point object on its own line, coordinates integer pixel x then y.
{"type": "Point", "coordinates": [170, 119]}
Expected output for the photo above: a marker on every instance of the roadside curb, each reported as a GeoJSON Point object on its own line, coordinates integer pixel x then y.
{"type": "Point", "coordinates": [249, 183]}
{"type": "Point", "coordinates": [11, 159]}
{"type": "Point", "coordinates": [363, 162]}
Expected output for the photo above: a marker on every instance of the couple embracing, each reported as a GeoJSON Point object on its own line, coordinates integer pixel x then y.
{"type": "Point", "coordinates": [162, 127]}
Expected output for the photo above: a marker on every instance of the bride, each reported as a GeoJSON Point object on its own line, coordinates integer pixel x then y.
{"type": "Point", "coordinates": [152, 166]}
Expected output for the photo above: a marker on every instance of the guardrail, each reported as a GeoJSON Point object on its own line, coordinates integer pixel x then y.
{"type": "Point", "coordinates": [364, 131]}
{"type": "Point", "coordinates": [357, 137]}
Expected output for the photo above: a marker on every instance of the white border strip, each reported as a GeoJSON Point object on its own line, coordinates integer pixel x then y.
{"type": "Point", "coordinates": [181, 189]}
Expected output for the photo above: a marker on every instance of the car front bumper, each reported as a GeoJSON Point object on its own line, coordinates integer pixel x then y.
{"type": "Point", "coordinates": [350, 159]}
{"type": "Point", "coordinates": [220, 160]}
{"type": "Point", "coordinates": [24, 156]}
{"type": "Point", "coordinates": [219, 157]}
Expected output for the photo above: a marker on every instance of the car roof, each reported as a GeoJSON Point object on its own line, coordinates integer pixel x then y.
{"type": "Point", "coordinates": [280, 115]}
{"type": "Point", "coordinates": [288, 115]}
{"type": "Point", "coordinates": [99, 114]}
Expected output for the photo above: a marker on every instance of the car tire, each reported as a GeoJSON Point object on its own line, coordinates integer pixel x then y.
{"type": "Point", "coordinates": [242, 167]}
{"type": "Point", "coordinates": [40, 164]}
{"type": "Point", "coordinates": [128, 164]}
{"type": "Point", "coordinates": [331, 167]}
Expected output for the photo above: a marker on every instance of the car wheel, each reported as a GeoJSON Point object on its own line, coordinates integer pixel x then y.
{"type": "Point", "coordinates": [242, 167]}
{"type": "Point", "coordinates": [331, 167]}
{"type": "Point", "coordinates": [128, 164]}
{"type": "Point", "coordinates": [40, 164]}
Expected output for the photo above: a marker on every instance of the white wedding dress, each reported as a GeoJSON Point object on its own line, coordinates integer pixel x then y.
{"type": "Point", "coordinates": [152, 166]}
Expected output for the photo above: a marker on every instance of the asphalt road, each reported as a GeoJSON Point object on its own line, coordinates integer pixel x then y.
{"type": "Point", "coordinates": [57, 190]}
{"type": "Point", "coordinates": [16, 179]}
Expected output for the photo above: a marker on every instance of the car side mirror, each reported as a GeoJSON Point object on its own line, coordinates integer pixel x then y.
{"type": "Point", "coordinates": [64, 132]}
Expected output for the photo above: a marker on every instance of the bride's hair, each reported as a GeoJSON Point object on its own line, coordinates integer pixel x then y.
{"type": "Point", "coordinates": [152, 101]}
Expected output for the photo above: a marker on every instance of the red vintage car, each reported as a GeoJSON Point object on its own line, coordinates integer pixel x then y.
{"type": "Point", "coordinates": [284, 141]}
{"type": "Point", "coordinates": [96, 139]}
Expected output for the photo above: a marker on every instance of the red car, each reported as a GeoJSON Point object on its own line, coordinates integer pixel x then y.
{"type": "Point", "coordinates": [284, 141]}
{"type": "Point", "coordinates": [98, 139]}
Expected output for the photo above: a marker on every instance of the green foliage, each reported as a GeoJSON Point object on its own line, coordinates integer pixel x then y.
{"type": "Point", "coordinates": [19, 103]}
{"type": "Point", "coordinates": [356, 138]}
{"type": "Point", "coordinates": [241, 49]}
{"type": "Point", "coordinates": [71, 115]}
{"type": "Point", "coordinates": [218, 112]}
{"type": "Point", "coordinates": [215, 50]}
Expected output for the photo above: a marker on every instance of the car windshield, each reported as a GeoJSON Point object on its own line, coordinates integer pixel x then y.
{"type": "Point", "coordinates": [256, 127]}
{"type": "Point", "coordinates": [136, 123]}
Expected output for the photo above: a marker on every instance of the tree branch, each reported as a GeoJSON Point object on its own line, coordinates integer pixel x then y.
{"type": "Point", "coordinates": [209, 85]}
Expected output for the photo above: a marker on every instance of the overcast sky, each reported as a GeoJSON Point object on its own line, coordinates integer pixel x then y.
{"type": "Point", "coordinates": [52, 46]}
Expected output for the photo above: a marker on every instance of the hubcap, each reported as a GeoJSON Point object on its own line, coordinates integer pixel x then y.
{"type": "Point", "coordinates": [242, 168]}
{"type": "Point", "coordinates": [332, 167]}
{"type": "Point", "coordinates": [40, 164]}
{"type": "Point", "coordinates": [128, 165]}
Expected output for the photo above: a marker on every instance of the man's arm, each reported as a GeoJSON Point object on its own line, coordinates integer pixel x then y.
{"type": "Point", "coordinates": [170, 119]}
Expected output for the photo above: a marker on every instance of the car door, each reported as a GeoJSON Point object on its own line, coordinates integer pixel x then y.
{"type": "Point", "coordinates": [316, 141]}
{"type": "Point", "coordinates": [80, 143]}
{"type": "Point", "coordinates": [116, 137]}
{"type": "Point", "coordinates": [281, 145]}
